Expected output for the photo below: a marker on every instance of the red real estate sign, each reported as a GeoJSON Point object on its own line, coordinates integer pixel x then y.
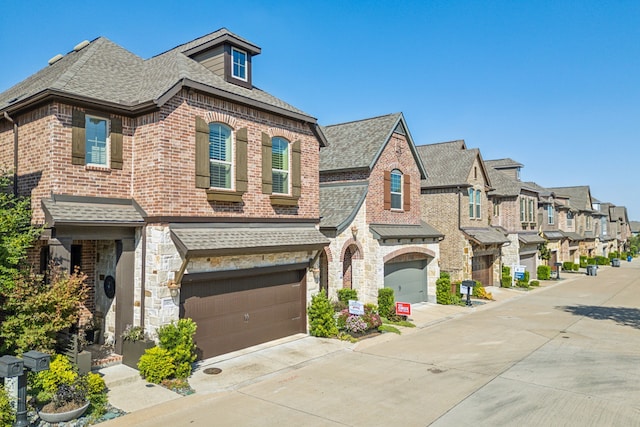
{"type": "Point", "coordinates": [403, 309]}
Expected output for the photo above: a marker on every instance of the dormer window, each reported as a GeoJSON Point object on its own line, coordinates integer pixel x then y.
{"type": "Point", "coordinates": [239, 65]}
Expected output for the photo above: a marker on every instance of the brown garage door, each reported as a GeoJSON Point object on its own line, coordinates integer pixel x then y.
{"type": "Point", "coordinates": [482, 271]}
{"type": "Point", "coordinates": [238, 312]}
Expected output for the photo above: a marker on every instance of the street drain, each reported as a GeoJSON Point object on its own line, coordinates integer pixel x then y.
{"type": "Point", "coordinates": [212, 371]}
{"type": "Point", "coordinates": [435, 370]}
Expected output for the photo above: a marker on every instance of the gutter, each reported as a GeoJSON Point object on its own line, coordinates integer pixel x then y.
{"type": "Point", "coordinates": [15, 153]}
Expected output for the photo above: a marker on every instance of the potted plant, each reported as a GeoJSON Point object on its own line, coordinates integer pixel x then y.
{"type": "Point", "coordinates": [63, 394]}
{"type": "Point", "coordinates": [67, 403]}
{"type": "Point", "coordinates": [134, 344]}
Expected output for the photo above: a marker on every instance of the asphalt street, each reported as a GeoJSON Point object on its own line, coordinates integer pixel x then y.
{"type": "Point", "coordinates": [566, 355]}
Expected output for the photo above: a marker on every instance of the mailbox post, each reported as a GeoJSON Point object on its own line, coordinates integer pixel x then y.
{"type": "Point", "coordinates": [469, 284]}
{"type": "Point", "coordinates": [11, 366]}
{"type": "Point", "coordinates": [558, 268]}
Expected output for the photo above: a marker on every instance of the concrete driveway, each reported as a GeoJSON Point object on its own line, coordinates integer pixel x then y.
{"type": "Point", "coordinates": [566, 355]}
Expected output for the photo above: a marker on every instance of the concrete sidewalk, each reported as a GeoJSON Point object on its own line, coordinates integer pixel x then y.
{"type": "Point", "coordinates": [130, 393]}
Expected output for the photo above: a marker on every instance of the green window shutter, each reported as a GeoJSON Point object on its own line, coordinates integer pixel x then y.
{"type": "Point", "coordinates": [242, 141]}
{"type": "Point", "coordinates": [406, 196]}
{"type": "Point", "coordinates": [203, 179]}
{"type": "Point", "coordinates": [296, 179]}
{"type": "Point", "coordinates": [267, 173]}
{"type": "Point", "coordinates": [116, 143]}
{"type": "Point", "coordinates": [78, 138]}
{"type": "Point", "coordinates": [387, 190]}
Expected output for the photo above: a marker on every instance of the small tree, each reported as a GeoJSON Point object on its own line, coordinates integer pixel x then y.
{"type": "Point", "coordinates": [35, 311]}
{"type": "Point", "coordinates": [321, 321]}
{"type": "Point", "coordinates": [177, 339]}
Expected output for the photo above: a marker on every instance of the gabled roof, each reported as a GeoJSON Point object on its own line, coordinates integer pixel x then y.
{"type": "Point", "coordinates": [449, 164]}
{"type": "Point", "coordinates": [359, 144]}
{"type": "Point", "coordinates": [396, 231]}
{"type": "Point", "coordinates": [339, 204]}
{"type": "Point", "coordinates": [505, 186]}
{"type": "Point", "coordinates": [105, 74]}
{"type": "Point", "coordinates": [505, 163]}
{"type": "Point", "coordinates": [579, 196]}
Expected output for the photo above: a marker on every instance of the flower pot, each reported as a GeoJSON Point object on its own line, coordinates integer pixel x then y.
{"type": "Point", "coordinates": [54, 417]}
{"type": "Point", "coordinates": [132, 350]}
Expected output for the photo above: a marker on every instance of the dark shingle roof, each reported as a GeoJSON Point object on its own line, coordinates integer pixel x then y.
{"type": "Point", "coordinates": [485, 235]}
{"type": "Point", "coordinates": [233, 239]}
{"type": "Point", "coordinates": [503, 163]}
{"type": "Point", "coordinates": [635, 226]}
{"type": "Point", "coordinates": [73, 210]}
{"type": "Point", "coordinates": [395, 231]}
{"type": "Point", "coordinates": [339, 203]}
{"type": "Point", "coordinates": [107, 73]}
{"type": "Point", "coordinates": [553, 234]}
{"type": "Point", "coordinates": [447, 163]}
{"type": "Point", "coordinates": [579, 196]}
{"type": "Point", "coordinates": [530, 238]}
{"type": "Point", "coordinates": [572, 236]}
{"type": "Point", "coordinates": [358, 144]}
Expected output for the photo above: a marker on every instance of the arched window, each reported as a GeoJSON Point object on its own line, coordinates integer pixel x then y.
{"type": "Point", "coordinates": [396, 189]}
{"type": "Point", "coordinates": [220, 156]}
{"type": "Point", "coordinates": [280, 165]}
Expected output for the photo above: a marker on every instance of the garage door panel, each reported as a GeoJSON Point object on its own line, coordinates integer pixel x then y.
{"type": "Point", "coordinates": [408, 280]}
{"type": "Point", "coordinates": [274, 304]}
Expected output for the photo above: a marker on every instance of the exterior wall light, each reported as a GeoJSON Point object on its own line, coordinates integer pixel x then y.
{"type": "Point", "coordinates": [173, 288]}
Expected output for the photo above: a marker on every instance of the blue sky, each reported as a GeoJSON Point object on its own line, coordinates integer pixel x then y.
{"type": "Point", "coordinates": [551, 84]}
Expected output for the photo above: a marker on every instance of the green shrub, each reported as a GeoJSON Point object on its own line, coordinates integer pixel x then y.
{"type": "Point", "coordinates": [321, 321]}
{"type": "Point", "coordinates": [506, 271]}
{"type": "Point", "coordinates": [346, 294]}
{"type": "Point", "coordinates": [576, 267]}
{"type": "Point", "coordinates": [7, 415]}
{"type": "Point", "coordinates": [480, 292]}
{"type": "Point", "coordinates": [583, 261]}
{"type": "Point", "coordinates": [386, 302]}
{"type": "Point", "coordinates": [445, 275]}
{"type": "Point", "coordinates": [96, 393]}
{"type": "Point", "coordinates": [156, 364]}
{"type": "Point", "coordinates": [524, 282]}
{"type": "Point", "coordinates": [505, 281]}
{"type": "Point", "coordinates": [601, 260]}
{"type": "Point", "coordinates": [443, 291]}
{"type": "Point", "coordinates": [591, 261]}
{"type": "Point", "coordinates": [567, 266]}
{"type": "Point", "coordinates": [544, 272]}
{"type": "Point", "coordinates": [177, 338]}
{"type": "Point", "coordinates": [534, 283]}
{"type": "Point", "coordinates": [614, 254]}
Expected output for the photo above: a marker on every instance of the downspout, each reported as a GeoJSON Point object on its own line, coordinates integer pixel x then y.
{"type": "Point", "coordinates": [15, 153]}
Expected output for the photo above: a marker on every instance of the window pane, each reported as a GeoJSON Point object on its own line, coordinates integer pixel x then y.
{"type": "Point", "coordinates": [280, 165]}
{"type": "Point", "coordinates": [220, 155]}
{"type": "Point", "coordinates": [96, 135]}
{"type": "Point", "coordinates": [478, 210]}
{"type": "Point", "coordinates": [396, 189]}
{"type": "Point", "coordinates": [239, 64]}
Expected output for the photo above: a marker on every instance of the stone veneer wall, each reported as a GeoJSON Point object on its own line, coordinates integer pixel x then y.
{"type": "Point", "coordinates": [510, 252]}
{"type": "Point", "coordinates": [368, 267]}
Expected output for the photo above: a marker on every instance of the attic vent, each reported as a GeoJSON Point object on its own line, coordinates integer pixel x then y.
{"type": "Point", "coordinates": [81, 45]}
{"type": "Point", "coordinates": [55, 59]}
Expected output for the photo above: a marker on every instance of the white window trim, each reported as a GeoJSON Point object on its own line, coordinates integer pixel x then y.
{"type": "Point", "coordinates": [107, 143]}
{"type": "Point", "coordinates": [246, 66]}
{"type": "Point", "coordinates": [396, 172]}
{"type": "Point", "coordinates": [233, 158]}
{"type": "Point", "coordinates": [478, 204]}
{"type": "Point", "coordinates": [550, 215]}
{"type": "Point", "coordinates": [472, 204]}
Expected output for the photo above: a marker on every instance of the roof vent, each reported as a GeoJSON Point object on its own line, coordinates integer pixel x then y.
{"type": "Point", "coordinates": [81, 45]}
{"type": "Point", "coordinates": [55, 59]}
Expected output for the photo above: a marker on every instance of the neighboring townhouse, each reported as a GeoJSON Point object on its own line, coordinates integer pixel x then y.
{"type": "Point", "coordinates": [586, 224]}
{"type": "Point", "coordinates": [618, 214]}
{"type": "Point", "coordinates": [454, 200]}
{"type": "Point", "coordinates": [176, 185]}
{"type": "Point", "coordinates": [634, 227]}
{"type": "Point", "coordinates": [514, 208]}
{"type": "Point", "coordinates": [606, 240]}
{"type": "Point", "coordinates": [370, 209]}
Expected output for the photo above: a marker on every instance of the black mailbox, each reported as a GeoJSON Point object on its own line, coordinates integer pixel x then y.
{"type": "Point", "coordinates": [469, 284]}
{"type": "Point", "coordinates": [558, 268]}
{"type": "Point", "coordinates": [11, 366]}
{"type": "Point", "coordinates": [36, 361]}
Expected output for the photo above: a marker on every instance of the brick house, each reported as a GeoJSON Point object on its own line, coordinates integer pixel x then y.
{"type": "Point", "coordinates": [586, 226]}
{"type": "Point", "coordinates": [454, 200]}
{"type": "Point", "coordinates": [370, 209]}
{"type": "Point", "coordinates": [515, 209]}
{"type": "Point", "coordinates": [175, 184]}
